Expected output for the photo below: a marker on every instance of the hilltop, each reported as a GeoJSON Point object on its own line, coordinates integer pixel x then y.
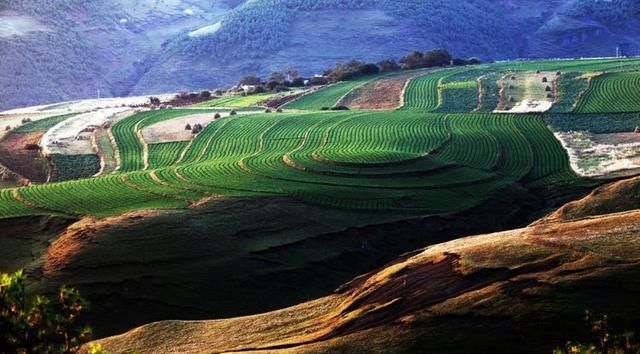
{"type": "Point", "coordinates": [188, 45]}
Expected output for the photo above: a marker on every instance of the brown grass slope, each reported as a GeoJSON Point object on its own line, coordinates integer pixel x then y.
{"type": "Point", "coordinates": [612, 198]}
{"type": "Point", "coordinates": [522, 290]}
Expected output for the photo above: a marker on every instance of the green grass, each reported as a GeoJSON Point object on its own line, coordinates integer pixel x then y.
{"type": "Point", "coordinates": [237, 101]}
{"type": "Point", "coordinates": [612, 93]}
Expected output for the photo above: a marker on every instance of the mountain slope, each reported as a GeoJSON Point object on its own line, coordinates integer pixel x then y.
{"type": "Point", "coordinates": [523, 289]}
{"type": "Point", "coordinates": [53, 51]}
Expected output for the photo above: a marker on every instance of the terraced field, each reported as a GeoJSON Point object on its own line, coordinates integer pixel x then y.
{"type": "Point", "coordinates": [423, 94]}
{"type": "Point", "coordinates": [329, 96]}
{"type": "Point", "coordinates": [399, 162]}
{"type": "Point", "coordinates": [612, 93]}
{"type": "Point", "coordinates": [237, 101]}
{"type": "Point", "coordinates": [432, 156]}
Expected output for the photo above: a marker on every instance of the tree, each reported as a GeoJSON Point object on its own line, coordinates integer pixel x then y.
{"type": "Point", "coordinates": [205, 94]}
{"type": "Point", "coordinates": [277, 77]}
{"type": "Point", "coordinates": [388, 65]}
{"type": "Point", "coordinates": [436, 57]}
{"type": "Point", "coordinates": [252, 79]}
{"type": "Point", "coordinates": [368, 69]}
{"type": "Point", "coordinates": [412, 60]}
{"type": "Point", "coordinates": [38, 324]}
{"type": "Point", "coordinates": [154, 101]}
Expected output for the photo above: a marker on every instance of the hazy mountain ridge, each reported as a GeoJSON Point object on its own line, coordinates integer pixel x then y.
{"type": "Point", "coordinates": [143, 46]}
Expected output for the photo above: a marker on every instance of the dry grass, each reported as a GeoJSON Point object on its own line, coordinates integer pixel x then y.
{"type": "Point", "coordinates": [457, 278]}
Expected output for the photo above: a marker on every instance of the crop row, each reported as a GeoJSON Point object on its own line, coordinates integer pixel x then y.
{"type": "Point", "coordinates": [328, 96]}
{"type": "Point", "coordinates": [166, 154]}
{"type": "Point", "coordinates": [613, 93]}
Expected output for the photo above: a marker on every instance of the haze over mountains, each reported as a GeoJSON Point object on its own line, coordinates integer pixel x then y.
{"type": "Point", "coordinates": [62, 50]}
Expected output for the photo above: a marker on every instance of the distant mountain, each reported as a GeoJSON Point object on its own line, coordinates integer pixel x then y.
{"type": "Point", "coordinates": [58, 50]}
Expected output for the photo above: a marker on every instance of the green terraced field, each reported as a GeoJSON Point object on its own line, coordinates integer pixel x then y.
{"type": "Point", "coordinates": [423, 93]}
{"type": "Point", "coordinates": [237, 101]}
{"type": "Point", "coordinates": [612, 93]}
{"type": "Point", "coordinates": [165, 154]}
{"type": "Point", "coordinates": [432, 156]}
{"type": "Point", "coordinates": [328, 96]}
{"type": "Point", "coordinates": [398, 162]}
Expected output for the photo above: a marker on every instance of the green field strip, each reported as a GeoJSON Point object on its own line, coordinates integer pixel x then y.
{"type": "Point", "coordinates": [611, 93]}
{"type": "Point", "coordinates": [165, 154]}
{"type": "Point", "coordinates": [329, 96]}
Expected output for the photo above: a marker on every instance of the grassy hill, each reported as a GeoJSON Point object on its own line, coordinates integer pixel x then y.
{"type": "Point", "coordinates": [517, 290]}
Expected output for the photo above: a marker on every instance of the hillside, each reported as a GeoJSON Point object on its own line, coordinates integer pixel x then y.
{"type": "Point", "coordinates": [225, 204]}
{"type": "Point", "coordinates": [127, 47]}
{"type": "Point", "coordinates": [523, 290]}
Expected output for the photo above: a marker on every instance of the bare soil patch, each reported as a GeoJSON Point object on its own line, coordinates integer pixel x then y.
{"type": "Point", "coordinates": [174, 129]}
{"type": "Point", "coordinates": [384, 94]}
{"type": "Point", "coordinates": [28, 163]}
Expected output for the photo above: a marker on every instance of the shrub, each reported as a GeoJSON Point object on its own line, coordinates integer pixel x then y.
{"type": "Point", "coordinates": [205, 94]}
{"type": "Point", "coordinates": [548, 88]}
{"type": "Point", "coordinates": [187, 127]}
{"type": "Point", "coordinates": [267, 110]}
{"type": "Point", "coordinates": [217, 116]}
{"type": "Point", "coordinates": [233, 113]}
{"type": "Point", "coordinates": [324, 108]}
{"type": "Point", "coordinates": [544, 79]}
{"type": "Point", "coordinates": [38, 324]}
{"type": "Point", "coordinates": [154, 101]}
{"type": "Point", "coordinates": [340, 108]}
{"type": "Point", "coordinates": [279, 110]}
{"type": "Point", "coordinates": [281, 88]}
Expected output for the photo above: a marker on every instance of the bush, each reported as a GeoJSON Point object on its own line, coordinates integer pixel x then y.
{"type": "Point", "coordinates": [279, 110]}
{"type": "Point", "coordinates": [217, 116]}
{"type": "Point", "coordinates": [233, 113]}
{"type": "Point", "coordinates": [340, 108]}
{"type": "Point", "coordinates": [368, 69]}
{"type": "Point", "coordinates": [38, 324]}
{"type": "Point", "coordinates": [205, 94]}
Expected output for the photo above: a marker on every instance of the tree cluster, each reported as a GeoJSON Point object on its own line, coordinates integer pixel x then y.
{"type": "Point", "coordinates": [37, 324]}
